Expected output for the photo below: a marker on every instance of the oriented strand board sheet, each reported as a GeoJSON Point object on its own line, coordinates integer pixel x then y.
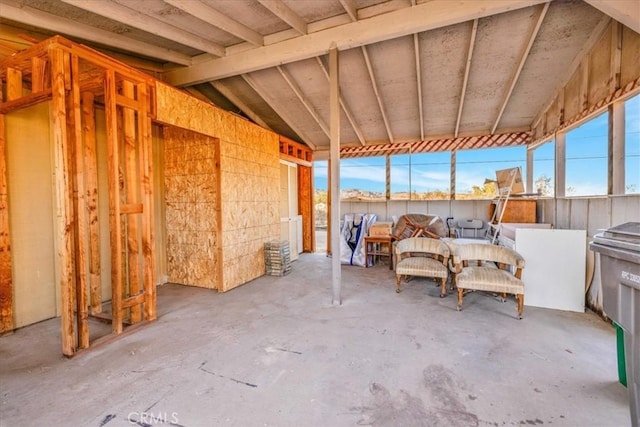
{"type": "Point", "coordinates": [177, 108]}
{"type": "Point", "coordinates": [249, 169]}
{"type": "Point", "coordinates": [192, 204]}
{"type": "Point", "coordinates": [246, 193]}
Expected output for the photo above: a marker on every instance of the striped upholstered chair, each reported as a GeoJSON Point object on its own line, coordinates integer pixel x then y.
{"type": "Point", "coordinates": [472, 275]}
{"type": "Point", "coordinates": [424, 257]}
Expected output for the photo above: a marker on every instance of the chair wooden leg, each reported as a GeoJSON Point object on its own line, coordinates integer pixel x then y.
{"type": "Point", "coordinates": [520, 298]}
{"type": "Point", "coordinates": [443, 291]}
{"type": "Point", "coordinates": [398, 280]}
{"type": "Point", "coordinates": [453, 281]}
{"type": "Point", "coordinates": [460, 296]}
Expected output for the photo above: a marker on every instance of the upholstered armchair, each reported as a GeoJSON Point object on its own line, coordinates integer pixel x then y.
{"type": "Point", "coordinates": [475, 270]}
{"type": "Point", "coordinates": [424, 257]}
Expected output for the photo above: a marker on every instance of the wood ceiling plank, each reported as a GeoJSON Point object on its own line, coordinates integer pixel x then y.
{"type": "Point", "coordinates": [343, 104]}
{"type": "Point", "coordinates": [282, 11]}
{"type": "Point", "coordinates": [33, 17]}
{"type": "Point", "coordinates": [251, 82]}
{"type": "Point", "coordinates": [218, 19]}
{"type": "Point", "coordinates": [298, 91]}
{"type": "Point", "coordinates": [377, 93]}
{"type": "Point", "coordinates": [398, 23]}
{"type": "Point", "coordinates": [472, 42]}
{"type": "Point", "coordinates": [626, 12]}
{"type": "Point", "coordinates": [350, 7]}
{"type": "Point", "coordinates": [231, 96]}
{"type": "Point", "coordinates": [147, 23]}
{"type": "Point", "coordinates": [523, 59]}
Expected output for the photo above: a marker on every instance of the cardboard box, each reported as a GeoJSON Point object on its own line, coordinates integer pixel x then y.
{"type": "Point", "coordinates": [380, 228]}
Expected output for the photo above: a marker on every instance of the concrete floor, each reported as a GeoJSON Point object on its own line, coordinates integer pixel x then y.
{"type": "Point", "coordinates": [276, 352]}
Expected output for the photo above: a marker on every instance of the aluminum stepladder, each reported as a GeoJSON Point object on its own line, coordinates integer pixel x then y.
{"type": "Point", "coordinates": [495, 224]}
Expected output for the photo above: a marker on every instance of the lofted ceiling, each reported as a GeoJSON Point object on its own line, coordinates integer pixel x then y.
{"type": "Point", "coordinates": [409, 70]}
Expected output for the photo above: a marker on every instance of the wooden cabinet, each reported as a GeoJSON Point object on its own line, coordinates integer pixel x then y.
{"type": "Point", "coordinates": [517, 210]}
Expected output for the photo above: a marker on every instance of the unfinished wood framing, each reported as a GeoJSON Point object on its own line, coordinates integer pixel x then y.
{"type": "Point", "coordinates": [607, 73]}
{"type": "Point", "coordinates": [72, 77]}
{"type": "Point", "coordinates": [6, 279]}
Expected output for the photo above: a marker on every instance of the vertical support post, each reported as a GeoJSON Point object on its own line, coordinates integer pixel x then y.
{"type": "Point", "coordinates": [616, 157]}
{"type": "Point", "coordinates": [329, 225]}
{"type": "Point", "coordinates": [334, 151]}
{"type": "Point", "coordinates": [387, 185]}
{"type": "Point", "coordinates": [131, 196]}
{"type": "Point", "coordinates": [146, 181]}
{"type": "Point", "coordinates": [91, 189]}
{"type": "Point", "coordinates": [561, 163]}
{"type": "Point", "coordinates": [452, 183]}
{"type": "Point", "coordinates": [38, 66]}
{"type": "Point", "coordinates": [81, 230]}
{"type": "Point", "coordinates": [114, 200]}
{"type": "Point", "coordinates": [6, 276]}
{"type": "Point", "coordinates": [64, 217]}
{"type": "Point", "coordinates": [14, 84]}
{"type": "Point", "coordinates": [530, 182]}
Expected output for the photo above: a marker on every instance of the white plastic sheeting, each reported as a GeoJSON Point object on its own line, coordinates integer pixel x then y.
{"type": "Point", "coordinates": [355, 227]}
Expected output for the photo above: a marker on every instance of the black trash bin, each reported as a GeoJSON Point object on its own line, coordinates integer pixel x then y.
{"type": "Point", "coordinates": [619, 249]}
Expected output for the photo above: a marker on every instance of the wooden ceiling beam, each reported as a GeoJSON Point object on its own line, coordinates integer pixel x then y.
{"type": "Point", "coordinates": [343, 104]}
{"type": "Point", "coordinates": [626, 12]}
{"type": "Point", "coordinates": [523, 59]}
{"type": "Point", "coordinates": [296, 89]}
{"type": "Point", "coordinates": [282, 11]}
{"type": "Point", "coordinates": [472, 42]}
{"type": "Point", "coordinates": [251, 82]}
{"type": "Point", "coordinates": [350, 7]}
{"type": "Point", "coordinates": [377, 93]}
{"type": "Point", "coordinates": [397, 23]}
{"type": "Point", "coordinates": [231, 96]}
{"type": "Point", "coordinates": [147, 23]}
{"type": "Point", "coordinates": [34, 17]}
{"type": "Point", "coordinates": [218, 19]}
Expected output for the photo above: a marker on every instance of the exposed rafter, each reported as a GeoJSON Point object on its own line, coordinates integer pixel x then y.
{"type": "Point", "coordinates": [247, 78]}
{"type": "Point", "coordinates": [147, 23]}
{"type": "Point", "coordinates": [217, 19]}
{"type": "Point", "coordinates": [597, 32]}
{"type": "Point", "coordinates": [377, 93]}
{"type": "Point", "coordinates": [416, 48]}
{"type": "Point", "coordinates": [523, 59]}
{"type": "Point", "coordinates": [282, 11]}
{"type": "Point", "coordinates": [296, 89]}
{"type": "Point", "coordinates": [345, 108]}
{"type": "Point", "coordinates": [33, 17]}
{"type": "Point", "coordinates": [223, 89]}
{"type": "Point", "coordinates": [626, 12]}
{"type": "Point", "coordinates": [350, 7]}
{"type": "Point", "coordinates": [472, 42]}
{"type": "Point", "coordinates": [397, 23]}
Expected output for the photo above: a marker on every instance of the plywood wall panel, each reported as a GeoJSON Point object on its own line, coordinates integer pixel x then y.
{"type": "Point", "coordinates": [192, 202]}
{"type": "Point", "coordinates": [247, 165]}
{"type": "Point", "coordinates": [572, 101]}
{"type": "Point", "coordinates": [600, 69]}
{"type": "Point", "coordinates": [249, 174]}
{"type": "Point", "coordinates": [630, 61]}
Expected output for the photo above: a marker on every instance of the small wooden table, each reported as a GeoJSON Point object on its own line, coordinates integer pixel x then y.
{"type": "Point", "coordinates": [378, 246]}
